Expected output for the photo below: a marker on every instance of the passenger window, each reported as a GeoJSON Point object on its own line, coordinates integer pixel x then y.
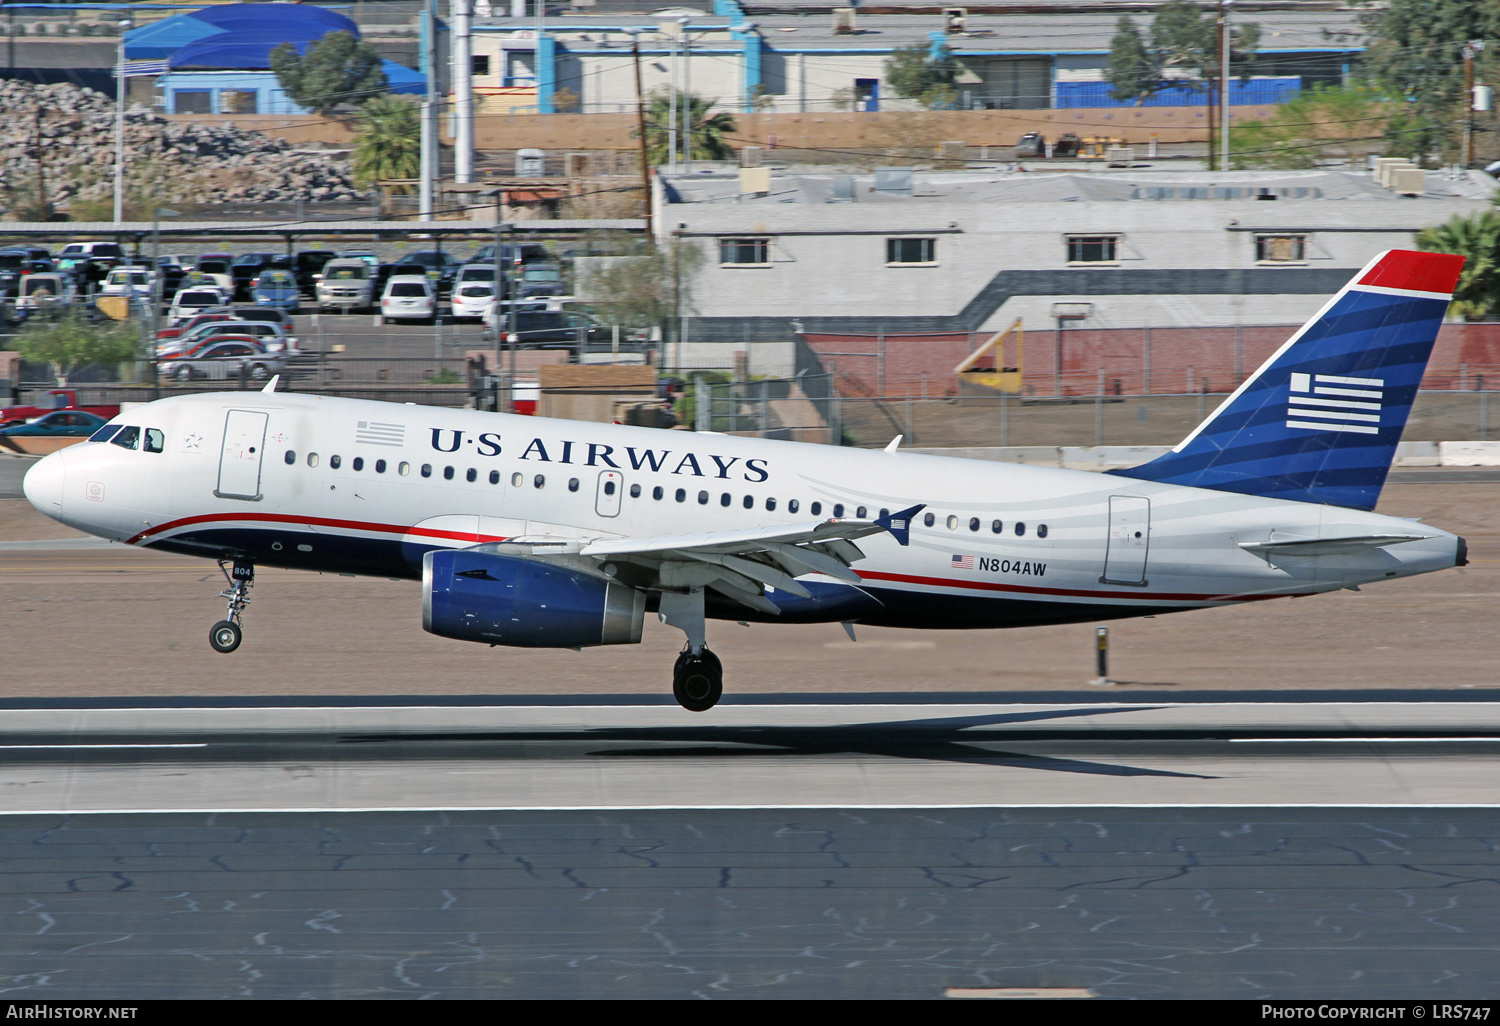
{"type": "Point", "coordinates": [996, 526]}
{"type": "Point", "coordinates": [128, 438]}
{"type": "Point", "coordinates": [427, 470]}
{"type": "Point", "coordinates": [358, 463]}
{"type": "Point", "coordinates": [725, 499]}
{"type": "Point", "coordinates": [703, 498]}
{"type": "Point", "coordinates": [494, 477]}
{"type": "Point", "coordinates": [335, 462]}
{"type": "Point", "coordinates": [791, 506]}
{"type": "Point", "coordinates": [929, 520]}
{"type": "Point", "coordinates": [156, 442]}
{"type": "Point", "coordinates": [538, 481]}
{"type": "Point", "coordinates": [749, 502]}
{"type": "Point", "coordinates": [609, 488]}
{"type": "Point", "coordinates": [682, 495]}
{"type": "Point", "coordinates": [380, 466]}
{"type": "Point", "coordinates": [312, 459]}
{"type": "Point", "coordinates": [815, 509]}
{"type": "Point", "coordinates": [102, 435]}
{"type": "Point", "coordinates": [291, 457]}
{"type": "Point", "coordinates": [403, 468]}
{"type": "Point", "coordinates": [838, 509]}
{"type": "Point", "coordinates": [572, 484]}
{"type": "Point", "coordinates": [1041, 530]}
{"type": "Point", "coordinates": [860, 513]}
{"type": "Point", "coordinates": [883, 513]}
{"type": "Point", "coordinates": [973, 523]}
{"type": "Point", "coordinates": [953, 523]}
{"type": "Point", "coordinates": [635, 491]}
{"type": "Point", "coordinates": [471, 475]}
{"type": "Point", "coordinates": [447, 473]}
{"type": "Point", "coordinates": [1020, 529]}
{"type": "Point", "coordinates": [771, 505]}
{"type": "Point", "coordinates": [517, 479]}
{"type": "Point", "coordinates": [657, 492]}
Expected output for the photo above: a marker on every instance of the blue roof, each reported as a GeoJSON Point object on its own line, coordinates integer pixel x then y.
{"type": "Point", "coordinates": [250, 32]}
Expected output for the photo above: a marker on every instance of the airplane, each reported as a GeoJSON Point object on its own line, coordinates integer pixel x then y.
{"type": "Point", "coordinates": [546, 533]}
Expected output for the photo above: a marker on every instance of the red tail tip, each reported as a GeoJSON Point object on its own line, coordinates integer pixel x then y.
{"type": "Point", "coordinates": [1417, 272]}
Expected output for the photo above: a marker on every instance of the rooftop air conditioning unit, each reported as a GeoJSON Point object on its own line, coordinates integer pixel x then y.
{"type": "Point", "coordinates": [843, 21]}
{"type": "Point", "coordinates": [955, 20]}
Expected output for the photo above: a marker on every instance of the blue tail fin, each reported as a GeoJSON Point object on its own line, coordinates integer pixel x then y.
{"type": "Point", "coordinates": [1319, 422]}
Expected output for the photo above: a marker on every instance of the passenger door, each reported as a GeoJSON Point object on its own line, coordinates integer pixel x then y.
{"type": "Point", "coordinates": [239, 461]}
{"type": "Point", "coordinates": [607, 498]}
{"type": "Point", "coordinates": [1129, 540]}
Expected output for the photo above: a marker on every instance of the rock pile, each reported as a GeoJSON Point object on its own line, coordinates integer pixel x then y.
{"type": "Point", "coordinates": [171, 161]}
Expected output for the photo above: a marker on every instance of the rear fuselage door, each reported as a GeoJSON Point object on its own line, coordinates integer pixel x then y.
{"type": "Point", "coordinates": [1129, 540]}
{"type": "Point", "coordinates": [239, 461]}
{"type": "Point", "coordinates": [607, 499]}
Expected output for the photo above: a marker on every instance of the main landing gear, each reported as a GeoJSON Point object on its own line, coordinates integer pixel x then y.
{"type": "Point", "coordinates": [698, 677]}
{"type": "Point", "coordinates": [225, 636]}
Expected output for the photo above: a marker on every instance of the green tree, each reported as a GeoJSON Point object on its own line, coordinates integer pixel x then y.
{"type": "Point", "coordinates": [71, 342]}
{"type": "Point", "coordinates": [918, 73]}
{"type": "Point", "coordinates": [648, 291]}
{"type": "Point", "coordinates": [336, 70]}
{"type": "Point", "coordinates": [709, 131]}
{"type": "Point", "coordinates": [1183, 51]}
{"type": "Point", "coordinates": [1323, 121]}
{"type": "Point", "coordinates": [1416, 53]}
{"type": "Point", "coordinates": [388, 141]}
{"type": "Point", "coordinates": [1477, 240]}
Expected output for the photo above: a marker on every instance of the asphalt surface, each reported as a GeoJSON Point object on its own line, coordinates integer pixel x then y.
{"type": "Point", "coordinates": [12, 471]}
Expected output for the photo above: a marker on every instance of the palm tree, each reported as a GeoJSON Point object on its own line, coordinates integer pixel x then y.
{"type": "Point", "coordinates": [1477, 240]}
{"type": "Point", "coordinates": [708, 132]}
{"type": "Point", "coordinates": [388, 141]}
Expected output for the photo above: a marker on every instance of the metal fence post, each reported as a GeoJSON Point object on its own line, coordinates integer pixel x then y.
{"type": "Point", "coordinates": [880, 366]}
{"type": "Point", "coordinates": [1004, 419]}
{"type": "Point", "coordinates": [1239, 355]}
{"type": "Point", "coordinates": [1147, 369]}
{"type": "Point", "coordinates": [702, 404]}
{"type": "Point", "coordinates": [1484, 416]}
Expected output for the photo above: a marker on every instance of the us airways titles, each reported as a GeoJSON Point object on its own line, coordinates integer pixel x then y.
{"type": "Point", "coordinates": [596, 454]}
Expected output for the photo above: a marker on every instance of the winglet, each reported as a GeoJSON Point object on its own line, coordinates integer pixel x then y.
{"type": "Point", "coordinates": [899, 523]}
{"type": "Point", "coordinates": [894, 444]}
{"type": "Point", "coordinates": [271, 385]}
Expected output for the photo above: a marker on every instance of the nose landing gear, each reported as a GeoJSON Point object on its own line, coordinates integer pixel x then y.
{"type": "Point", "coordinates": [225, 636]}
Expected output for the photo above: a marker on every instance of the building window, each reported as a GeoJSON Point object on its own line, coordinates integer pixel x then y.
{"type": "Point", "coordinates": [239, 101]}
{"type": "Point", "coordinates": [911, 251]}
{"type": "Point", "coordinates": [192, 101]}
{"type": "Point", "coordinates": [1092, 249]}
{"type": "Point", "coordinates": [740, 252]}
{"type": "Point", "coordinates": [481, 63]}
{"type": "Point", "coordinates": [1280, 249]}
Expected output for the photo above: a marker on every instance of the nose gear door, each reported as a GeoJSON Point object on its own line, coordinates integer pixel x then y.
{"type": "Point", "coordinates": [239, 462]}
{"type": "Point", "coordinates": [1129, 540]}
{"type": "Point", "coordinates": [607, 498]}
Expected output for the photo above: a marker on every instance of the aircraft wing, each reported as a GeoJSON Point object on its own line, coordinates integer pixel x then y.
{"type": "Point", "coordinates": [742, 564]}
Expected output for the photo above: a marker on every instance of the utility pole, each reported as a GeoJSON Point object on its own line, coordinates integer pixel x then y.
{"type": "Point", "coordinates": [1224, 39]}
{"type": "Point", "coordinates": [640, 131]}
{"type": "Point", "coordinates": [672, 115]}
{"type": "Point", "coordinates": [463, 90]}
{"type": "Point", "coordinates": [687, 98]}
{"type": "Point", "coordinates": [120, 124]}
{"type": "Point", "coordinates": [429, 142]}
{"type": "Point", "coordinates": [1215, 89]}
{"type": "Point", "coordinates": [1471, 48]}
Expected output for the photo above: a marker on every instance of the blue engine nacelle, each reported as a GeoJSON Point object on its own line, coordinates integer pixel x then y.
{"type": "Point", "coordinates": [506, 600]}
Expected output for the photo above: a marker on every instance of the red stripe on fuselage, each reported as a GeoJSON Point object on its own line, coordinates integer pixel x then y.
{"type": "Point", "coordinates": [286, 518]}
{"type": "Point", "coordinates": [940, 582]}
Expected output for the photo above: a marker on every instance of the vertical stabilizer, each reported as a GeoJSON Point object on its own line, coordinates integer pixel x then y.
{"type": "Point", "coordinates": [1319, 421]}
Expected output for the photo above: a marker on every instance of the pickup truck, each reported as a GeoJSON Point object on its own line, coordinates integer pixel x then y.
{"type": "Point", "coordinates": [57, 399]}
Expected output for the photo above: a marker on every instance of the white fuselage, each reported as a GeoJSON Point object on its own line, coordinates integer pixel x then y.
{"type": "Point", "coordinates": [1071, 545]}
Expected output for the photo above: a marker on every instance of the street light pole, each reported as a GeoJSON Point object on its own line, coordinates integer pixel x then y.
{"type": "Point", "coordinates": [1224, 84]}
{"type": "Point", "coordinates": [428, 144]}
{"type": "Point", "coordinates": [463, 90]}
{"type": "Point", "coordinates": [687, 98]}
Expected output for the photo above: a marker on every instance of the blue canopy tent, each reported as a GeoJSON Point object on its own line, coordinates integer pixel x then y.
{"type": "Point", "coordinates": [290, 23]}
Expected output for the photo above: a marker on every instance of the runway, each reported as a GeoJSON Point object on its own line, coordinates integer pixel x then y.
{"type": "Point", "coordinates": [1288, 850]}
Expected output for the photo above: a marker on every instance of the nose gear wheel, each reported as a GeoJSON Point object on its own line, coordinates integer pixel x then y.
{"type": "Point", "coordinates": [226, 635]}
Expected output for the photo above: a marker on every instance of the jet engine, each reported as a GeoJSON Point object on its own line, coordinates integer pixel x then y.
{"type": "Point", "coordinates": [528, 603]}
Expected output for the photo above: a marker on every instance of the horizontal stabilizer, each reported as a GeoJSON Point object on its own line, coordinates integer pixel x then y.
{"type": "Point", "coordinates": [1318, 546]}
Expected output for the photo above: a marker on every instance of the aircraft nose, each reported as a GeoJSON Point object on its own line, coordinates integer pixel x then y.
{"type": "Point", "coordinates": [43, 484]}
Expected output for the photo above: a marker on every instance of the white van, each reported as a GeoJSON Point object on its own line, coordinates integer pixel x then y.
{"type": "Point", "coordinates": [345, 283]}
{"type": "Point", "coordinates": [190, 302]}
{"type": "Point", "coordinates": [409, 297]}
{"type": "Point", "coordinates": [473, 291]}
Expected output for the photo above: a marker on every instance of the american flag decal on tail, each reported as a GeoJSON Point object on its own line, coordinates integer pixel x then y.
{"type": "Point", "coordinates": [1332, 402]}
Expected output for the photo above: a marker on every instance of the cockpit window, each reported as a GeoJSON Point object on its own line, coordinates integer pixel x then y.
{"type": "Point", "coordinates": [104, 433]}
{"type": "Point", "coordinates": [128, 438]}
{"type": "Point", "coordinates": [155, 440]}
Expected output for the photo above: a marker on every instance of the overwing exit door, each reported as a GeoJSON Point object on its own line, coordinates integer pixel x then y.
{"type": "Point", "coordinates": [607, 499]}
{"type": "Point", "coordinates": [239, 462]}
{"type": "Point", "coordinates": [1129, 540]}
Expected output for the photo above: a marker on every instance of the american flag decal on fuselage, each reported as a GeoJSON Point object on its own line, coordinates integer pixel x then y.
{"type": "Point", "coordinates": [1332, 402]}
{"type": "Point", "coordinates": [962, 563]}
{"type": "Point", "coordinates": [373, 432]}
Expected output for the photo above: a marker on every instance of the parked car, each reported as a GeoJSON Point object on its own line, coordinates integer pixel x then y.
{"type": "Point", "coordinates": [557, 329]}
{"type": "Point", "coordinates": [135, 282]}
{"type": "Point", "coordinates": [218, 272]}
{"type": "Point", "coordinates": [541, 279]}
{"type": "Point", "coordinates": [51, 402]}
{"type": "Point", "coordinates": [307, 265]}
{"type": "Point", "coordinates": [16, 263]}
{"type": "Point", "coordinates": [273, 337]}
{"type": "Point", "coordinates": [345, 283]}
{"type": "Point", "coordinates": [370, 257]}
{"type": "Point", "coordinates": [265, 313]}
{"type": "Point", "coordinates": [224, 360]}
{"type": "Point", "coordinates": [51, 432]}
{"type": "Point", "coordinates": [40, 292]}
{"type": "Point", "coordinates": [439, 266]}
{"type": "Point", "coordinates": [277, 289]}
{"type": "Point", "coordinates": [409, 297]}
{"type": "Point", "coordinates": [245, 269]}
{"type": "Point", "coordinates": [194, 300]}
{"type": "Point", "coordinates": [211, 314]}
{"type": "Point", "coordinates": [473, 291]}
{"type": "Point", "coordinates": [77, 254]}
